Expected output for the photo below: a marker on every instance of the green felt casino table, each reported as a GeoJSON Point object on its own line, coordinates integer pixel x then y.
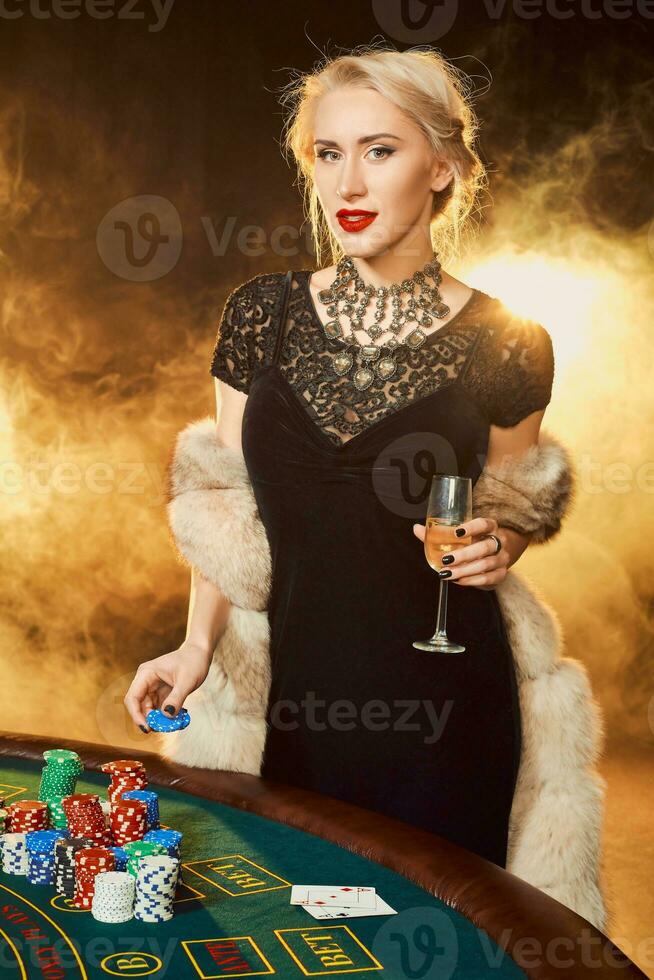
{"type": "Point", "coordinates": [246, 841]}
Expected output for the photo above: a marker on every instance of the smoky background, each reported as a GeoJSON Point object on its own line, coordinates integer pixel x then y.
{"type": "Point", "coordinates": [141, 180]}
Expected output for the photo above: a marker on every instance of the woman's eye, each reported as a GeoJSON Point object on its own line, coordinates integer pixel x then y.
{"type": "Point", "coordinates": [382, 149]}
{"type": "Point", "coordinates": [323, 154]}
{"type": "Point", "coordinates": [385, 150]}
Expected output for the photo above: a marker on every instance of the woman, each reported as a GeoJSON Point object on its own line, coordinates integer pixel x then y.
{"type": "Point", "coordinates": [335, 423]}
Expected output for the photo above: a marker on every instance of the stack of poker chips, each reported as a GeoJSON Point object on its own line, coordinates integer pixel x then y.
{"type": "Point", "coordinates": [120, 858]}
{"type": "Point", "coordinates": [58, 780]}
{"type": "Point", "coordinates": [139, 849]}
{"type": "Point", "coordinates": [86, 818]}
{"type": "Point", "coordinates": [65, 839]}
{"type": "Point", "coordinates": [155, 888]}
{"type": "Point", "coordinates": [65, 850]}
{"type": "Point", "coordinates": [14, 854]}
{"type": "Point", "coordinates": [90, 862]}
{"type": "Point", "coordinates": [41, 855]}
{"type": "Point", "coordinates": [128, 821]}
{"type": "Point", "coordinates": [113, 898]}
{"type": "Point", "coordinates": [125, 774]}
{"type": "Point", "coordinates": [171, 840]}
{"type": "Point", "coordinates": [151, 799]}
{"type": "Point", "coordinates": [26, 815]}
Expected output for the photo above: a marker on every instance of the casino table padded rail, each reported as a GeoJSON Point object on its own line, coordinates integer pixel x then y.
{"type": "Point", "coordinates": [514, 914]}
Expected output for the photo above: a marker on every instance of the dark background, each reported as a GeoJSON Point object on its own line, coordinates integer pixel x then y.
{"type": "Point", "coordinates": [105, 357]}
{"type": "Point", "coordinates": [133, 159]}
{"type": "Point", "coordinates": [189, 111]}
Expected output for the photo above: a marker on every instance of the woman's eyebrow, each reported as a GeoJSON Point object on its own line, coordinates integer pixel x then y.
{"type": "Point", "coordinates": [362, 139]}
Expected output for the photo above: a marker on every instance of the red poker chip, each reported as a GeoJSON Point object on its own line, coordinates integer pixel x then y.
{"type": "Point", "coordinates": [26, 815]}
{"type": "Point", "coordinates": [89, 862]}
{"type": "Point", "coordinates": [79, 799]}
{"type": "Point", "coordinates": [123, 766]}
{"type": "Point", "coordinates": [90, 855]}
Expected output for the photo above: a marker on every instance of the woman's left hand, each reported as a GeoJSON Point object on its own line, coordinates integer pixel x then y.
{"type": "Point", "coordinates": [475, 564]}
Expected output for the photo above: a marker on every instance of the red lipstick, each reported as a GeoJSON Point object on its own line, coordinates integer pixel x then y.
{"type": "Point", "coordinates": [355, 220]}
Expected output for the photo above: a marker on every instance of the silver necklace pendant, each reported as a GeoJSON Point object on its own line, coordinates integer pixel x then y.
{"type": "Point", "coordinates": [342, 362]}
{"type": "Point", "coordinates": [419, 310]}
{"type": "Point", "coordinates": [415, 339]}
{"type": "Point", "coordinates": [363, 378]}
{"type": "Point", "coordinates": [386, 368]}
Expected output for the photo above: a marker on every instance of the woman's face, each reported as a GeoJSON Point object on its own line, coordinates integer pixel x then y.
{"type": "Point", "coordinates": [357, 169]}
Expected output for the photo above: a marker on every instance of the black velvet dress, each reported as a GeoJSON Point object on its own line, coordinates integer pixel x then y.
{"type": "Point", "coordinates": [340, 476]}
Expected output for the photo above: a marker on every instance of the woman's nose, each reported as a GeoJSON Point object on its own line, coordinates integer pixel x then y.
{"type": "Point", "coordinates": [350, 183]}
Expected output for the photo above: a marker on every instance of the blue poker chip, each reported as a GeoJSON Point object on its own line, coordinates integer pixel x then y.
{"type": "Point", "coordinates": [159, 721]}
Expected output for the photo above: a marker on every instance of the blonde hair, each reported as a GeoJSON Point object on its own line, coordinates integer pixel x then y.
{"type": "Point", "coordinates": [432, 93]}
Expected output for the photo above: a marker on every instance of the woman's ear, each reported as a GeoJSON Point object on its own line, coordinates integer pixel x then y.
{"type": "Point", "coordinates": [442, 174]}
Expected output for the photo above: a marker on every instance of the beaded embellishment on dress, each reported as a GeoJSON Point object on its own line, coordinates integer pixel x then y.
{"type": "Point", "coordinates": [504, 361]}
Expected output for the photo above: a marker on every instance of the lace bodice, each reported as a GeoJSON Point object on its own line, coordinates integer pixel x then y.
{"type": "Point", "coordinates": [505, 362]}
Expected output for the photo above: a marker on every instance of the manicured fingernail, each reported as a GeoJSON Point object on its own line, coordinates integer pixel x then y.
{"type": "Point", "coordinates": [170, 709]}
{"type": "Point", "coordinates": [447, 559]}
{"type": "Point", "coordinates": [460, 531]}
{"type": "Point", "coordinates": [446, 573]}
{"type": "Point", "coordinates": [144, 729]}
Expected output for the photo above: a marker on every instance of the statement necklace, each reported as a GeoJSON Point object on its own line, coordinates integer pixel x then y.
{"type": "Point", "coordinates": [423, 304]}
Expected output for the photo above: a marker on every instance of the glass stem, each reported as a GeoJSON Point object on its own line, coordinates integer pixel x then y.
{"type": "Point", "coordinates": [441, 616]}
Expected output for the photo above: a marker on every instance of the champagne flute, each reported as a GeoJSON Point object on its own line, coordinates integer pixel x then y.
{"type": "Point", "coordinates": [450, 504]}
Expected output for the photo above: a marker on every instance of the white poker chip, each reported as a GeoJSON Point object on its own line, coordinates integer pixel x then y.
{"type": "Point", "coordinates": [113, 897]}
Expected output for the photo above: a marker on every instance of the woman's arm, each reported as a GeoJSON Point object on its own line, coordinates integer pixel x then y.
{"type": "Point", "coordinates": [208, 606]}
{"type": "Point", "coordinates": [167, 680]}
{"type": "Point", "coordinates": [513, 442]}
{"type": "Point", "coordinates": [230, 406]}
{"type": "Point", "coordinates": [475, 564]}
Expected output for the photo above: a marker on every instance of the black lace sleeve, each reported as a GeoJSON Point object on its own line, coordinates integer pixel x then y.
{"type": "Point", "coordinates": [512, 372]}
{"type": "Point", "coordinates": [233, 353]}
{"type": "Point", "coordinates": [247, 329]}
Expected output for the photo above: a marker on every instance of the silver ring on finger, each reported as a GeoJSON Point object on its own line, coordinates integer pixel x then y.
{"type": "Point", "coordinates": [498, 543]}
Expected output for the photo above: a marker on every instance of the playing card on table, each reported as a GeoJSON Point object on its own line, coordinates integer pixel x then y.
{"type": "Point", "coordinates": [342, 896]}
{"type": "Point", "coordinates": [334, 912]}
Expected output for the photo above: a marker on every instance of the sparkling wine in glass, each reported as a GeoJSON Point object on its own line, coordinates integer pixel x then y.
{"type": "Point", "coordinates": [450, 504]}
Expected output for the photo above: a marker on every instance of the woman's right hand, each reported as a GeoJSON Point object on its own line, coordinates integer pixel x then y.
{"type": "Point", "coordinates": [166, 681]}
